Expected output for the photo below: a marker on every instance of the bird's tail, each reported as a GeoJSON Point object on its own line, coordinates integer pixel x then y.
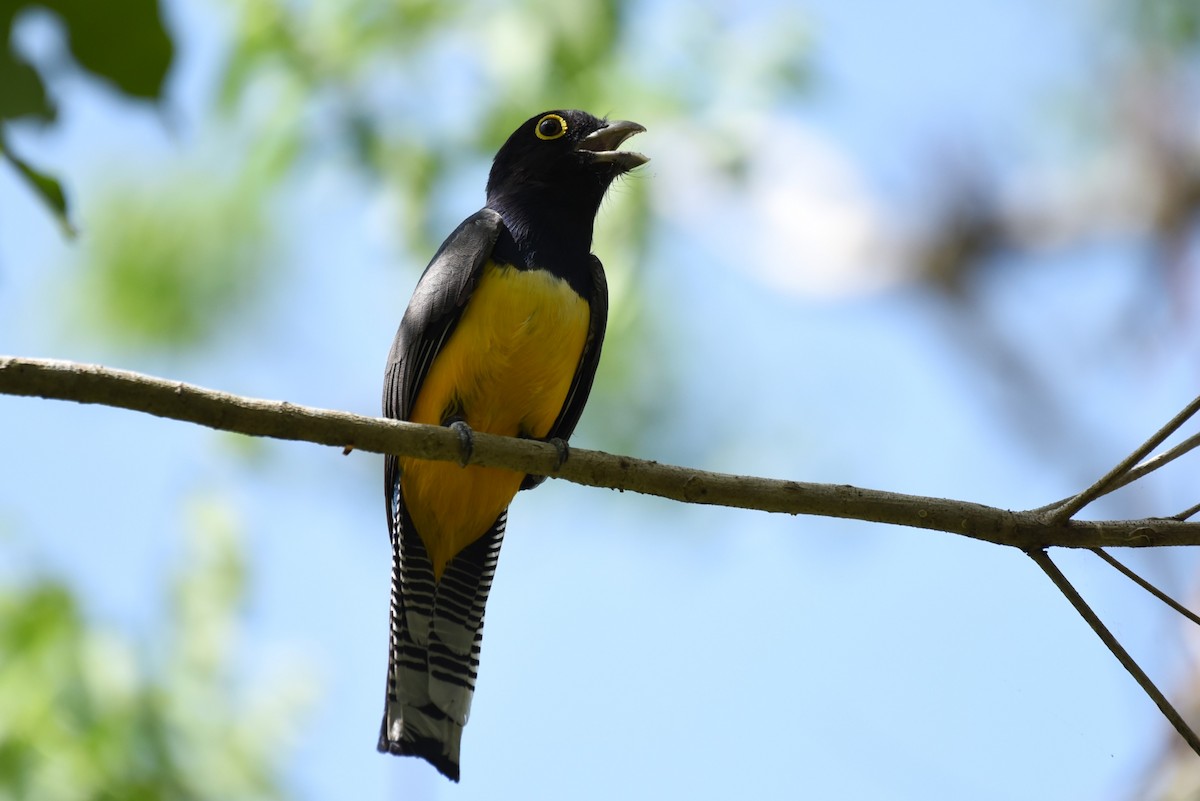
{"type": "Point", "coordinates": [436, 632]}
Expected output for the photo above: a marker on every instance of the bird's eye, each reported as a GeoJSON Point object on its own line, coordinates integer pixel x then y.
{"type": "Point", "coordinates": [550, 127]}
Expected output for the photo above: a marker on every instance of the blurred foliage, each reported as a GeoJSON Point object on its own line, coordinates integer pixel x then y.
{"type": "Point", "coordinates": [1171, 27]}
{"type": "Point", "coordinates": [169, 264]}
{"type": "Point", "coordinates": [120, 42]}
{"type": "Point", "coordinates": [417, 91]}
{"type": "Point", "coordinates": [85, 714]}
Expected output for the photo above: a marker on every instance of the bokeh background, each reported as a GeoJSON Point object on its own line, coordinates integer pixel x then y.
{"type": "Point", "coordinates": [937, 247]}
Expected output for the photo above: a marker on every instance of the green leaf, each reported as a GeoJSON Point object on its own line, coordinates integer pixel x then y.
{"type": "Point", "coordinates": [121, 41]}
{"type": "Point", "coordinates": [46, 186]}
{"type": "Point", "coordinates": [22, 93]}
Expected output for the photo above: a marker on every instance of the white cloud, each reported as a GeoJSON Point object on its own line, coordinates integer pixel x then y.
{"type": "Point", "coordinates": [801, 219]}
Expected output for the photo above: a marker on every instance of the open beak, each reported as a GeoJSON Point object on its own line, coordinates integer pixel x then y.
{"type": "Point", "coordinates": [603, 144]}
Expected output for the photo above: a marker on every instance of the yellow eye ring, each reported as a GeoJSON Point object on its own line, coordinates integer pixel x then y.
{"type": "Point", "coordinates": [550, 127]}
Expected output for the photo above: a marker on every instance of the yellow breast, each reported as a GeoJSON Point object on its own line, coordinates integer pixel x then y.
{"type": "Point", "coordinates": [506, 369]}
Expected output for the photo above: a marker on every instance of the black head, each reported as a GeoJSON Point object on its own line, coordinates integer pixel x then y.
{"type": "Point", "coordinates": [556, 167]}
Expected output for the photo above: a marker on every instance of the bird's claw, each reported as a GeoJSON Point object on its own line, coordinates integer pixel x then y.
{"type": "Point", "coordinates": [466, 441]}
{"type": "Point", "coordinates": [564, 450]}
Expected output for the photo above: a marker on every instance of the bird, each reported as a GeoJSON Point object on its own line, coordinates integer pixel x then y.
{"type": "Point", "coordinates": [502, 335]}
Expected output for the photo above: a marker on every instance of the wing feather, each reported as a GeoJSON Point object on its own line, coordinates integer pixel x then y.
{"type": "Point", "coordinates": [435, 308]}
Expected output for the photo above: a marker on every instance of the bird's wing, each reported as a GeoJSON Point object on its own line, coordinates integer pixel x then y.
{"type": "Point", "coordinates": [436, 306]}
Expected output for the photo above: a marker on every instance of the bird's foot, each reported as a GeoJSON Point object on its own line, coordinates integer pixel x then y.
{"type": "Point", "coordinates": [564, 450]}
{"type": "Point", "coordinates": [466, 440]}
{"type": "Point", "coordinates": [564, 453]}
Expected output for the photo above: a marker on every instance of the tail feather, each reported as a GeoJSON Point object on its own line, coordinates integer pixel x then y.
{"type": "Point", "coordinates": [424, 733]}
{"type": "Point", "coordinates": [436, 632]}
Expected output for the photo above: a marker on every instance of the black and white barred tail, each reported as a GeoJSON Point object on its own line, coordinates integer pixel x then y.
{"type": "Point", "coordinates": [436, 631]}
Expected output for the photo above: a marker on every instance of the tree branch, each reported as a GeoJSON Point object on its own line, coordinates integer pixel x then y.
{"type": "Point", "coordinates": [1148, 466]}
{"type": "Point", "coordinates": [1032, 531]}
{"type": "Point", "coordinates": [1147, 586]}
{"type": "Point", "coordinates": [1028, 530]}
{"type": "Point", "coordinates": [1064, 586]}
{"type": "Point", "coordinates": [1120, 475]}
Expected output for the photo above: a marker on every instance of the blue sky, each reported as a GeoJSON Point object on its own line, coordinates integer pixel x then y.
{"type": "Point", "coordinates": [635, 647]}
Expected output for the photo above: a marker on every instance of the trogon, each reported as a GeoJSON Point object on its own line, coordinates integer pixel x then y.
{"type": "Point", "coordinates": [502, 335]}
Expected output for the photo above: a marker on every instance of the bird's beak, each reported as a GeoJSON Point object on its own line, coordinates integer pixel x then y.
{"type": "Point", "coordinates": [603, 144]}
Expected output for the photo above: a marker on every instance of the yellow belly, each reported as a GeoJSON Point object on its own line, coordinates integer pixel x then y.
{"type": "Point", "coordinates": [506, 369]}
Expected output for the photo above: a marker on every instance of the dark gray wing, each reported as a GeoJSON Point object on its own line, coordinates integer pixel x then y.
{"type": "Point", "coordinates": [435, 308]}
{"type": "Point", "coordinates": [581, 385]}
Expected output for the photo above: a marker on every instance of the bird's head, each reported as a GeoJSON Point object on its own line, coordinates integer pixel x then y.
{"type": "Point", "coordinates": [562, 159]}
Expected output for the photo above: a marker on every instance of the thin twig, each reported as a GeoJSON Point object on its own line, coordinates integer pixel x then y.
{"type": "Point", "coordinates": [1149, 466]}
{"type": "Point", "coordinates": [1186, 513]}
{"type": "Point", "coordinates": [282, 420]}
{"type": "Point", "coordinates": [1064, 586]}
{"type": "Point", "coordinates": [1147, 586]}
{"type": "Point", "coordinates": [1109, 480]}
{"type": "Point", "coordinates": [1162, 459]}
